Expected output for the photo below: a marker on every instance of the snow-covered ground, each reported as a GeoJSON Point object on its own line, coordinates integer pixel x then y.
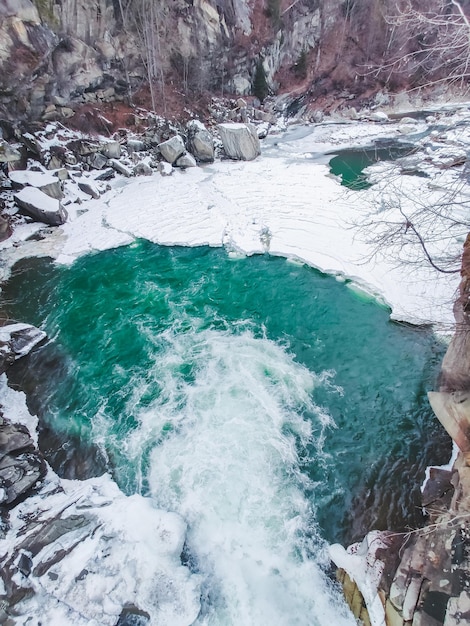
{"type": "Point", "coordinates": [286, 202]}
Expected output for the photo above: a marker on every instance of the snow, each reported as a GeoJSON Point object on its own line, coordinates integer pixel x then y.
{"type": "Point", "coordinates": [309, 216]}
{"type": "Point", "coordinates": [365, 569]}
{"type": "Point", "coordinates": [80, 578]}
{"type": "Point", "coordinates": [32, 178]}
{"type": "Point", "coordinates": [39, 199]}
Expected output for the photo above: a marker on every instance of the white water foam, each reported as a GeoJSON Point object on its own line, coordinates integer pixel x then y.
{"type": "Point", "coordinates": [228, 464]}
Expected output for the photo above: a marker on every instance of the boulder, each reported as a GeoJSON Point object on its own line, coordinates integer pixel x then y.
{"type": "Point", "coordinates": [165, 169]}
{"type": "Point", "coordinates": [142, 169]}
{"type": "Point", "coordinates": [172, 148]}
{"type": "Point", "coordinates": [89, 188]}
{"type": "Point", "coordinates": [200, 142]}
{"type": "Point", "coordinates": [106, 174]}
{"type": "Point", "coordinates": [97, 161]}
{"type": "Point", "coordinates": [46, 182]}
{"type": "Point", "coordinates": [240, 141]}
{"type": "Point", "coordinates": [83, 147]}
{"type": "Point", "coordinates": [40, 206]}
{"type": "Point", "coordinates": [17, 340]}
{"type": "Point", "coordinates": [7, 153]}
{"type": "Point", "coordinates": [21, 464]}
{"type": "Point", "coordinates": [111, 149]}
{"type": "Point", "coordinates": [120, 168]}
{"type": "Point", "coordinates": [135, 145]}
{"type": "Point", "coordinates": [186, 160]}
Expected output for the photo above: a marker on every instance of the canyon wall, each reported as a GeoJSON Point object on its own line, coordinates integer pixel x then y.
{"type": "Point", "coordinates": [63, 51]}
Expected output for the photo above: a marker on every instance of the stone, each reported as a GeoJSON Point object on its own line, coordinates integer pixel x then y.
{"type": "Point", "coordinates": [5, 227]}
{"type": "Point", "coordinates": [120, 168]}
{"type": "Point", "coordinates": [21, 464]}
{"type": "Point", "coordinates": [142, 169]}
{"type": "Point", "coordinates": [135, 145]}
{"type": "Point", "coordinates": [132, 616]}
{"type": "Point", "coordinates": [46, 182]}
{"type": "Point", "coordinates": [240, 141]}
{"type": "Point", "coordinates": [106, 174]}
{"type": "Point", "coordinates": [89, 188]}
{"type": "Point", "coordinates": [17, 340]}
{"type": "Point", "coordinates": [111, 149]}
{"type": "Point", "coordinates": [378, 116]}
{"type": "Point", "coordinates": [186, 160]}
{"type": "Point", "coordinates": [165, 169]}
{"type": "Point", "coordinates": [97, 161]}
{"type": "Point", "coordinates": [40, 206]}
{"type": "Point", "coordinates": [83, 147]}
{"type": "Point", "coordinates": [172, 148]}
{"type": "Point", "coordinates": [200, 142]}
{"type": "Point", "coordinates": [66, 112]}
{"type": "Point", "coordinates": [7, 153]}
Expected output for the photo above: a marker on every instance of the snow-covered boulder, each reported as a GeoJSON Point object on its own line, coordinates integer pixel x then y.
{"type": "Point", "coordinates": [47, 183]}
{"type": "Point", "coordinates": [186, 160]}
{"type": "Point", "coordinates": [240, 141]}
{"type": "Point", "coordinates": [63, 558]}
{"type": "Point", "coordinates": [16, 341]}
{"type": "Point", "coordinates": [200, 142]}
{"type": "Point", "coordinates": [40, 206]}
{"type": "Point", "coordinates": [172, 148]}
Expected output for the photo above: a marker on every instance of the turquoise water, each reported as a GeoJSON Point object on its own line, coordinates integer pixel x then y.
{"type": "Point", "coordinates": [271, 406]}
{"type": "Point", "coordinates": [349, 164]}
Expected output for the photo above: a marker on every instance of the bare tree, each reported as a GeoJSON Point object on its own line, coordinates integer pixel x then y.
{"type": "Point", "coordinates": [428, 45]}
{"type": "Point", "coordinates": [429, 223]}
{"type": "Point", "coordinates": [146, 18]}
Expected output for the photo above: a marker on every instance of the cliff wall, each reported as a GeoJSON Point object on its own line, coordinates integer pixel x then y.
{"type": "Point", "coordinates": [65, 51]}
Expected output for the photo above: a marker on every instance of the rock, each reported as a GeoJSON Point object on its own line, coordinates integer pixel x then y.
{"type": "Point", "coordinates": [111, 149]}
{"type": "Point", "coordinates": [172, 148]}
{"type": "Point", "coordinates": [240, 141]}
{"type": "Point", "coordinates": [142, 169]}
{"type": "Point", "coordinates": [378, 116]}
{"type": "Point", "coordinates": [132, 616]}
{"type": "Point", "coordinates": [83, 147]}
{"type": "Point", "coordinates": [186, 160]}
{"type": "Point", "coordinates": [135, 145]}
{"type": "Point", "coordinates": [97, 161]}
{"type": "Point", "coordinates": [120, 168]}
{"type": "Point", "coordinates": [34, 146]}
{"type": "Point", "coordinates": [47, 183]}
{"type": "Point", "coordinates": [17, 340]}
{"type": "Point", "coordinates": [106, 174]}
{"type": "Point", "coordinates": [40, 206]}
{"type": "Point", "coordinates": [89, 188]}
{"type": "Point", "coordinates": [7, 153]}
{"type": "Point", "coordinates": [200, 142]}
{"type": "Point", "coordinates": [66, 112]}
{"type": "Point", "coordinates": [5, 227]}
{"type": "Point", "coordinates": [165, 169]}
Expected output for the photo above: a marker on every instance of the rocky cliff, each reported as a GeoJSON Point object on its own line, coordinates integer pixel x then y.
{"type": "Point", "coordinates": [58, 52]}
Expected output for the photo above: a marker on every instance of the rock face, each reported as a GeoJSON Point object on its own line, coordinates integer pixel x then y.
{"type": "Point", "coordinates": [240, 141]}
{"type": "Point", "coordinates": [58, 53]}
{"type": "Point", "coordinates": [22, 466]}
{"type": "Point", "coordinates": [41, 207]}
{"type": "Point", "coordinates": [426, 581]}
{"type": "Point", "coordinates": [65, 549]}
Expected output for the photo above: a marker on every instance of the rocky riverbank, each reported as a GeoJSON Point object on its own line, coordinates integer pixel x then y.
{"type": "Point", "coordinates": [422, 578]}
{"type": "Point", "coordinates": [63, 172]}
